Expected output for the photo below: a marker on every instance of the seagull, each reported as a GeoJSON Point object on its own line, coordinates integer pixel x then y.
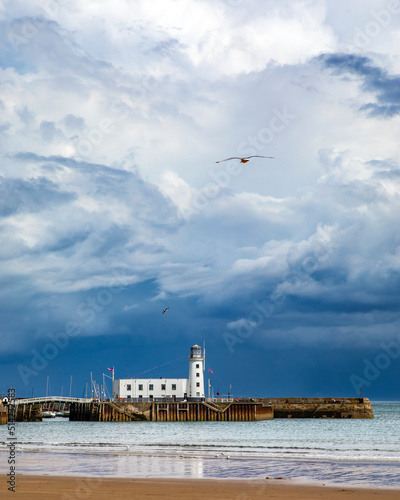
{"type": "Point", "coordinates": [165, 310]}
{"type": "Point", "coordinates": [245, 159]}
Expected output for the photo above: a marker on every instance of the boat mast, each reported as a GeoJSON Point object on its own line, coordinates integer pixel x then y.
{"type": "Point", "coordinates": [91, 383]}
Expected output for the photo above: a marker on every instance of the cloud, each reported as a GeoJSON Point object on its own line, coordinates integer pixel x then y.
{"type": "Point", "coordinates": [32, 195]}
{"type": "Point", "coordinates": [109, 182]}
{"type": "Point", "coordinates": [375, 80]}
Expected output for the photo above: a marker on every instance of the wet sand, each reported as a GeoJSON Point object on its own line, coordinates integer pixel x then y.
{"type": "Point", "coordinates": [70, 487]}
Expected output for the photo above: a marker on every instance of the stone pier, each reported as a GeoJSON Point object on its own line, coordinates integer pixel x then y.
{"type": "Point", "coordinates": [171, 411]}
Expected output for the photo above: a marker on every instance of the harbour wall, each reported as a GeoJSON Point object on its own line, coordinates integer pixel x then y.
{"type": "Point", "coordinates": [23, 413]}
{"type": "Point", "coordinates": [320, 407]}
{"type": "Point", "coordinates": [28, 413]}
{"type": "Point", "coordinates": [233, 411]}
{"type": "Point", "coordinates": [217, 410]}
{"type": "Point", "coordinates": [170, 411]}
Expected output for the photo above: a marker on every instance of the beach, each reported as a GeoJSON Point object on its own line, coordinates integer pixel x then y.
{"type": "Point", "coordinates": [65, 488]}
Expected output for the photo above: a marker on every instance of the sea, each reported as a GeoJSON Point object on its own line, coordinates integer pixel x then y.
{"type": "Point", "coordinates": [348, 452]}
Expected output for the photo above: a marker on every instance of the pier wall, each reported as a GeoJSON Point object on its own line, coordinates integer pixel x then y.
{"type": "Point", "coordinates": [320, 407]}
{"type": "Point", "coordinates": [109, 412]}
{"type": "Point", "coordinates": [226, 411]}
{"type": "Point", "coordinates": [234, 411]}
{"type": "Point", "coordinates": [170, 411]}
{"type": "Point", "coordinates": [28, 413]}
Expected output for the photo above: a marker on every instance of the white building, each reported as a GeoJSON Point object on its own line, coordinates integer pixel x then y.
{"type": "Point", "coordinates": [169, 389]}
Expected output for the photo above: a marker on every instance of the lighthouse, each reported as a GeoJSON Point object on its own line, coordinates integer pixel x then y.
{"type": "Point", "coordinates": [196, 377]}
{"type": "Point", "coordinates": [165, 389]}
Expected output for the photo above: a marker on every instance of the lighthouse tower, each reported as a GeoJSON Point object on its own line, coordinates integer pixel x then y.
{"type": "Point", "coordinates": [196, 377]}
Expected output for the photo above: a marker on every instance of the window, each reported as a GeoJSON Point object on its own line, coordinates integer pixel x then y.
{"type": "Point", "coordinates": [151, 396]}
{"type": "Point", "coordinates": [197, 384]}
{"type": "Point", "coordinates": [140, 387]}
{"type": "Point", "coordinates": [197, 374]}
{"type": "Point", "coordinates": [140, 397]}
{"type": "Point", "coordinates": [151, 387]}
{"type": "Point", "coordinates": [163, 387]}
{"type": "Point", "coordinates": [174, 387]}
{"type": "Point", "coordinates": [197, 366]}
{"type": "Point", "coordinates": [128, 387]}
{"type": "Point", "coordinates": [128, 396]}
{"type": "Point", "coordinates": [197, 394]}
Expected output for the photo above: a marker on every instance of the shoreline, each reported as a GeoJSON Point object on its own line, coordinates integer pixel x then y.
{"type": "Point", "coordinates": [37, 487]}
{"type": "Point", "coordinates": [119, 450]}
{"type": "Point", "coordinates": [129, 466]}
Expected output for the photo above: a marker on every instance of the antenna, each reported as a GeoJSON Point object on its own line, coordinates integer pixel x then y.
{"type": "Point", "coordinates": [70, 386]}
{"type": "Point", "coordinates": [204, 354]}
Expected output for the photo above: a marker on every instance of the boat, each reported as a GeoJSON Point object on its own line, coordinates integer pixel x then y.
{"type": "Point", "coordinates": [49, 414]}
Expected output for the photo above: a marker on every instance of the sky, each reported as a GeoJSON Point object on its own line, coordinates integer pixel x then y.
{"type": "Point", "coordinates": [112, 205]}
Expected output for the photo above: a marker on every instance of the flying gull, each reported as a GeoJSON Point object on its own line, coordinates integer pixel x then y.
{"type": "Point", "coordinates": [245, 159]}
{"type": "Point", "coordinates": [165, 310]}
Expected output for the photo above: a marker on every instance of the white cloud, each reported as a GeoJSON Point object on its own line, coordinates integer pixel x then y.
{"type": "Point", "coordinates": [241, 323]}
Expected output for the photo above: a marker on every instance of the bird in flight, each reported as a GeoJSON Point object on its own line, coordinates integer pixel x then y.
{"type": "Point", "coordinates": [165, 310]}
{"type": "Point", "coordinates": [245, 159]}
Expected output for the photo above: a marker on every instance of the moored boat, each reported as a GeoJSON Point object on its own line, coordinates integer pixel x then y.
{"type": "Point", "coordinates": [49, 414]}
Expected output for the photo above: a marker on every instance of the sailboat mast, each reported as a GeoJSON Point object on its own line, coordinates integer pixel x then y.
{"type": "Point", "coordinates": [91, 384]}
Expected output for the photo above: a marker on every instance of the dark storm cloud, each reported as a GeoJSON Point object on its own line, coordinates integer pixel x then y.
{"type": "Point", "coordinates": [376, 80]}
{"type": "Point", "coordinates": [18, 195]}
{"type": "Point", "coordinates": [105, 182]}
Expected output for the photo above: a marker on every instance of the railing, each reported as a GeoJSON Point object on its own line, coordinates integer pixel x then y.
{"type": "Point", "coordinates": [222, 400]}
{"type": "Point", "coordinates": [148, 400]}
{"type": "Point", "coordinates": [51, 399]}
